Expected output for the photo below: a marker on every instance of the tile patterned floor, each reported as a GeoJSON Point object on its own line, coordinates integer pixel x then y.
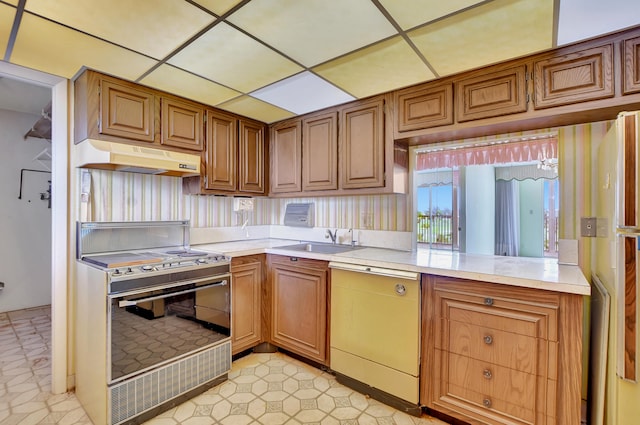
{"type": "Point", "coordinates": [270, 389]}
{"type": "Point", "coordinates": [262, 389]}
{"type": "Point", "coordinates": [25, 373]}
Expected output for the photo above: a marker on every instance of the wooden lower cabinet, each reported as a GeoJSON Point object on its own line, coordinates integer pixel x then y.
{"type": "Point", "coordinates": [246, 302]}
{"type": "Point", "coordinates": [496, 354]}
{"type": "Point", "coordinates": [298, 289]}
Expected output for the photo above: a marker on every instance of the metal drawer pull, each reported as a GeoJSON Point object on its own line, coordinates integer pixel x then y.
{"type": "Point", "coordinates": [486, 402]}
{"type": "Point", "coordinates": [488, 339]}
{"type": "Point", "coordinates": [400, 289]}
{"type": "Point", "coordinates": [487, 374]}
{"type": "Point", "coordinates": [488, 301]}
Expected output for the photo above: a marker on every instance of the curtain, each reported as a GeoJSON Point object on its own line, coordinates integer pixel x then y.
{"type": "Point", "coordinates": [507, 218]}
{"type": "Point", "coordinates": [498, 153]}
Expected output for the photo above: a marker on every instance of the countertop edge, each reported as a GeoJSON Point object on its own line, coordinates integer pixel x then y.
{"type": "Point", "coordinates": [575, 283]}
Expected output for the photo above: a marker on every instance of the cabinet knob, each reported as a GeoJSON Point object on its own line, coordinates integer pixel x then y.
{"type": "Point", "coordinates": [488, 301]}
{"type": "Point", "coordinates": [487, 374]}
{"type": "Point", "coordinates": [486, 402]}
{"type": "Point", "coordinates": [488, 339]}
{"type": "Point", "coordinates": [400, 289]}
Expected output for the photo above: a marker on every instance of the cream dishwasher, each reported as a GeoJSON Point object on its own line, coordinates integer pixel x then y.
{"type": "Point", "coordinates": [375, 331]}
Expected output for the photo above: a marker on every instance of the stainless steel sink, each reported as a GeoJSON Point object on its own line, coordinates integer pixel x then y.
{"type": "Point", "coordinates": [320, 248]}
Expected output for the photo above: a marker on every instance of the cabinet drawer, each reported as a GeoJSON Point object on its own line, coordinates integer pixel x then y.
{"type": "Point", "coordinates": [518, 352]}
{"type": "Point", "coordinates": [503, 315]}
{"type": "Point", "coordinates": [486, 389]}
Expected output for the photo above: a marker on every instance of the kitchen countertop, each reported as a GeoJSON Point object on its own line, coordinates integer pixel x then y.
{"type": "Point", "coordinates": [539, 273]}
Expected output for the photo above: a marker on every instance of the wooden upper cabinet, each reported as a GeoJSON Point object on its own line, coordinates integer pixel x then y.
{"type": "Point", "coordinates": [574, 77]}
{"type": "Point", "coordinates": [362, 142]}
{"type": "Point", "coordinates": [491, 94]}
{"type": "Point", "coordinates": [221, 153]}
{"type": "Point", "coordinates": [127, 110]}
{"type": "Point", "coordinates": [286, 157]}
{"type": "Point", "coordinates": [320, 152]}
{"type": "Point", "coordinates": [251, 160]}
{"type": "Point", "coordinates": [182, 123]}
{"type": "Point", "coordinates": [426, 106]}
{"type": "Point", "coordinates": [631, 64]}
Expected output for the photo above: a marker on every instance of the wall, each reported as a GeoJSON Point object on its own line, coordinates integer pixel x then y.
{"type": "Point", "coordinates": [25, 224]}
{"type": "Point", "coordinates": [480, 192]}
{"type": "Point", "coordinates": [531, 217]}
{"type": "Point", "coordinates": [128, 196]}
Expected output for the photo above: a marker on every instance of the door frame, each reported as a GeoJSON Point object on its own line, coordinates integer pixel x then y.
{"type": "Point", "coordinates": [60, 229]}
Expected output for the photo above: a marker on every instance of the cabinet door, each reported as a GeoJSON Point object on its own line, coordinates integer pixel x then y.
{"type": "Point", "coordinates": [251, 157]}
{"type": "Point", "coordinates": [285, 143]}
{"type": "Point", "coordinates": [127, 111]}
{"type": "Point", "coordinates": [575, 77]}
{"type": "Point", "coordinates": [362, 145]}
{"type": "Point", "coordinates": [491, 94]}
{"type": "Point", "coordinates": [631, 63]}
{"type": "Point", "coordinates": [221, 156]}
{"type": "Point", "coordinates": [299, 308]}
{"type": "Point", "coordinates": [320, 152]}
{"type": "Point", "coordinates": [182, 124]}
{"type": "Point", "coordinates": [246, 301]}
{"type": "Point", "coordinates": [426, 106]}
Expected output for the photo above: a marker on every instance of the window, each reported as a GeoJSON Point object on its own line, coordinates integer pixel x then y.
{"type": "Point", "coordinates": [499, 199]}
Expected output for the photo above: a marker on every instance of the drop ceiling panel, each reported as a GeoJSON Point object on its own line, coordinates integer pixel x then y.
{"type": "Point", "coordinates": [314, 31]}
{"type": "Point", "coordinates": [580, 19]}
{"type": "Point", "coordinates": [7, 14]}
{"type": "Point", "coordinates": [151, 27]}
{"type": "Point", "coordinates": [179, 82]}
{"type": "Point", "coordinates": [13, 2]}
{"type": "Point", "coordinates": [58, 50]}
{"type": "Point", "coordinates": [219, 7]}
{"type": "Point", "coordinates": [410, 13]}
{"type": "Point", "coordinates": [229, 57]}
{"type": "Point", "coordinates": [256, 109]}
{"type": "Point", "coordinates": [379, 68]}
{"type": "Point", "coordinates": [302, 93]}
{"type": "Point", "coordinates": [490, 33]}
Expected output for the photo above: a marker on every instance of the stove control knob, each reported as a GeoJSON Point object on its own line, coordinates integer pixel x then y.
{"type": "Point", "coordinates": [129, 271]}
{"type": "Point", "coordinates": [116, 271]}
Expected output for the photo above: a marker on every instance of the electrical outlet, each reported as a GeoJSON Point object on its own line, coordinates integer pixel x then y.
{"type": "Point", "coordinates": [242, 204]}
{"type": "Point", "coordinates": [588, 226]}
{"type": "Point", "coordinates": [367, 220]}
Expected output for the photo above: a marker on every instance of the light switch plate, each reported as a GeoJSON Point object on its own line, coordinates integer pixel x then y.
{"type": "Point", "coordinates": [588, 227]}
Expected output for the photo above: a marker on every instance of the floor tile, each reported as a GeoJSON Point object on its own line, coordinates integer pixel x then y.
{"type": "Point", "coordinates": [263, 389]}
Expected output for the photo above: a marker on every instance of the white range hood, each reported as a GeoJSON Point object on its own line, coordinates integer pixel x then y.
{"type": "Point", "coordinates": [113, 156]}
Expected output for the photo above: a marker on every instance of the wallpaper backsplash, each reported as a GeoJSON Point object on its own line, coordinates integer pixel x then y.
{"type": "Point", "coordinates": [116, 196]}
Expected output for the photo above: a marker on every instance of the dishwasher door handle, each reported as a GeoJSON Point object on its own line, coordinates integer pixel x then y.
{"type": "Point", "coordinates": [379, 271]}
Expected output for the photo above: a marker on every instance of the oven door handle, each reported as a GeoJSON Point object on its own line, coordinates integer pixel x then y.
{"type": "Point", "coordinates": [129, 303]}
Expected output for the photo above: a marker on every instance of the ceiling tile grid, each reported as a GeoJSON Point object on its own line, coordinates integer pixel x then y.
{"type": "Point", "coordinates": [271, 59]}
{"type": "Point", "coordinates": [56, 49]}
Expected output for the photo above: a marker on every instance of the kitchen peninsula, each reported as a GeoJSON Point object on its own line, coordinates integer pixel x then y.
{"type": "Point", "coordinates": [500, 337]}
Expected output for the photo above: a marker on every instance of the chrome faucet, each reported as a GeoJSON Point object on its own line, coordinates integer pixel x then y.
{"type": "Point", "coordinates": [331, 235]}
{"type": "Point", "coordinates": [353, 238]}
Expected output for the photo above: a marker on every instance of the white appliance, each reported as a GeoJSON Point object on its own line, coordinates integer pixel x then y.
{"type": "Point", "coordinates": [618, 231]}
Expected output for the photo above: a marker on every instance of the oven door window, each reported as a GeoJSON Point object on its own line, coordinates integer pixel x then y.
{"type": "Point", "coordinates": [161, 325]}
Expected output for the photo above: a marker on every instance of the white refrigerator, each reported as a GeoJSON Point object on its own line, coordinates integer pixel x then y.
{"type": "Point", "coordinates": [618, 231]}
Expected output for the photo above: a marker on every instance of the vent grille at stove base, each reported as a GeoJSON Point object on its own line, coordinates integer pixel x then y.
{"type": "Point", "coordinates": [135, 396]}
